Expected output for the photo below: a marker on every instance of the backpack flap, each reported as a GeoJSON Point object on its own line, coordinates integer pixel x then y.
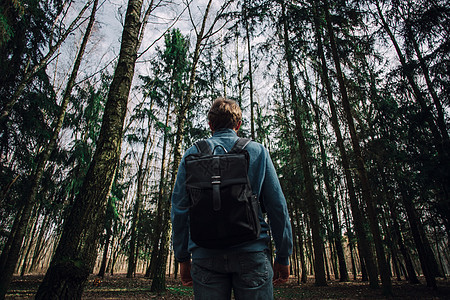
{"type": "Point", "coordinates": [222, 212]}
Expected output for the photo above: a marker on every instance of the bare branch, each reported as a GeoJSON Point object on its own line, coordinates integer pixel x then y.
{"type": "Point", "coordinates": [163, 34]}
{"type": "Point", "coordinates": [145, 21]}
{"type": "Point", "coordinates": [191, 18]}
{"type": "Point", "coordinates": [218, 16]}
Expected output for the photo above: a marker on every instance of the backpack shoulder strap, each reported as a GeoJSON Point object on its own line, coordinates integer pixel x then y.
{"type": "Point", "coordinates": [203, 147]}
{"type": "Point", "coordinates": [240, 144]}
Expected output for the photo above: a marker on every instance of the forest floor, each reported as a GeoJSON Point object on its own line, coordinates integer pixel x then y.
{"type": "Point", "coordinates": [120, 287]}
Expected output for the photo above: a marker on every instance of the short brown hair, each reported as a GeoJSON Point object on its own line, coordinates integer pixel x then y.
{"type": "Point", "coordinates": [224, 113]}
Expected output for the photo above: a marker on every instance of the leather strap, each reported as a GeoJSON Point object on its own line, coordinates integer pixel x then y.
{"type": "Point", "coordinates": [203, 147]}
{"type": "Point", "coordinates": [240, 144]}
{"type": "Point", "coordinates": [215, 182]}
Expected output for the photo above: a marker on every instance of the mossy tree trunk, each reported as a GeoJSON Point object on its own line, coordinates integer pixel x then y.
{"type": "Point", "coordinates": [77, 250]}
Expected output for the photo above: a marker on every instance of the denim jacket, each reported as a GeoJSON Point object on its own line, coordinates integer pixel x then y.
{"type": "Point", "coordinates": [264, 183]}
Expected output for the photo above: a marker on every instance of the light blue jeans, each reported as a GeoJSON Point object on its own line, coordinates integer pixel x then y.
{"type": "Point", "coordinates": [249, 275]}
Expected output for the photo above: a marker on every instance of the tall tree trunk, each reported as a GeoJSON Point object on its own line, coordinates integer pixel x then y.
{"type": "Point", "coordinates": [433, 264]}
{"type": "Point", "coordinates": [350, 238]}
{"type": "Point", "coordinates": [358, 219]}
{"type": "Point", "coordinates": [39, 242]}
{"type": "Point", "coordinates": [297, 230]}
{"type": "Point", "coordinates": [304, 273]}
{"type": "Point", "coordinates": [77, 250]}
{"type": "Point", "coordinates": [142, 171]}
{"type": "Point", "coordinates": [336, 231]}
{"type": "Point", "coordinates": [310, 193]}
{"type": "Point", "coordinates": [412, 277]}
{"type": "Point", "coordinates": [239, 71]}
{"type": "Point", "coordinates": [295, 250]}
{"type": "Point", "coordinates": [414, 226]}
{"type": "Point", "coordinates": [36, 177]}
{"type": "Point", "coordinates": [160, 234]}
{"type": "Point", "coordinates": [362, 174]}
{"type": "Point", "coordinates": [29, 241]}
{"type": "Point", "coordinates": [386, 195]}
{"type": "Point", "coordinates": [250, 70]}
{"type": "Point", "coordinates": [101, 272]}
{"type": "Point", "coordinates": [411, 274]}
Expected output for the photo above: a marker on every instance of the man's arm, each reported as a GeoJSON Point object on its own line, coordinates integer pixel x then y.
{"type": "Point", "coordinates": [180, 216]}
{"type": "Point", "coordinates": [180, 225]}
{"type": "Point", "coordinates": [277, 212]}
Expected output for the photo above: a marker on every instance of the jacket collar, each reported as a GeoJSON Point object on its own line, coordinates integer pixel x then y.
{"type": "Point", "coordinates": [224, 132]}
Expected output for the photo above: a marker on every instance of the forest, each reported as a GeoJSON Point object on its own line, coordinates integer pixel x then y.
{"type": "Point", "coordinates": [100, 99]}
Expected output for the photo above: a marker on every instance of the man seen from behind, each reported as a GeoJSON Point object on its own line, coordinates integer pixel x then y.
{"type": "Point", "coordinates": [244, 268]}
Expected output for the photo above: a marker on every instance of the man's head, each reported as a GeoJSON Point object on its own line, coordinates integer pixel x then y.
{"type": "Point", "coordinates": [224, 113]}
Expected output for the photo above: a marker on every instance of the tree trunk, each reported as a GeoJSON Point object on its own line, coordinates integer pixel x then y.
{"type": "Point", "coordinates": [76, 252]}
{"type": "Point", "coordinates": [250, 72]}
{"type": "Point", "coordinates": [142, 170]}
{"type": "Point", "coordinates": [162, 211]}
{"type": "Point", "coordinates": [412, 277]}
{"type": "Point", "coordinates": [239, 71]}
{"type": "Point", "coordinates": [39, 242]}
{"type": "Point", "coordinates": [158, 283]}
{"type": "Point", "coordinates": [362, 174]}
{"type": "Point", "coordinates": [350, 240]}
{"type": "Point", "coordinates": [358, 219]}
{"type": "Point", "coordinates": [414, 226]}
{"type": "Point", "coordinates": [304, 273]}
{"type": "Point", "coordinates": [101, 272]}
{"type": "Point", "coordinates": [336, 232]}
{"type": "Point", "coordinates": [411, 274]}
{"type": "Point", "coordinates": [387, 196]}
{"type": "Point", "coordinates": [310, 193]}
{"type": "Point", "coordinates": [295, 251]}
{"type": "Point", "coordinates": [29, 241]}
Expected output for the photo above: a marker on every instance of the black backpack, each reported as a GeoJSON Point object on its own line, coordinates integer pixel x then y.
{"type": "Point", "coordinates": [223, 210]}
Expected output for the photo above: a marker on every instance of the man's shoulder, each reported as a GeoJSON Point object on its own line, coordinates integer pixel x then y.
{"type": "Point", "coordinates": [256, 150]}
{"type": "Point", "coordinates": [254, 145]}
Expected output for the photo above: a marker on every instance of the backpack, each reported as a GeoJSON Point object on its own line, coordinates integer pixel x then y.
{"type": "Point", "coordinates": [223, 210]}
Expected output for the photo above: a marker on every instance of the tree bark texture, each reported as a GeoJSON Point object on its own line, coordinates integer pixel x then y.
{"type": "Point", "coordinates": [250, 71]}
{"type": "Point", "coordinates": [77, 250]}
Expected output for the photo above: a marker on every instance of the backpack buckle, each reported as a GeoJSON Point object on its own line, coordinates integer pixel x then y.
{"type": "Point", "coordinates": [216, 192]}
{"type": "Point", "coordinates": [216, 181]}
